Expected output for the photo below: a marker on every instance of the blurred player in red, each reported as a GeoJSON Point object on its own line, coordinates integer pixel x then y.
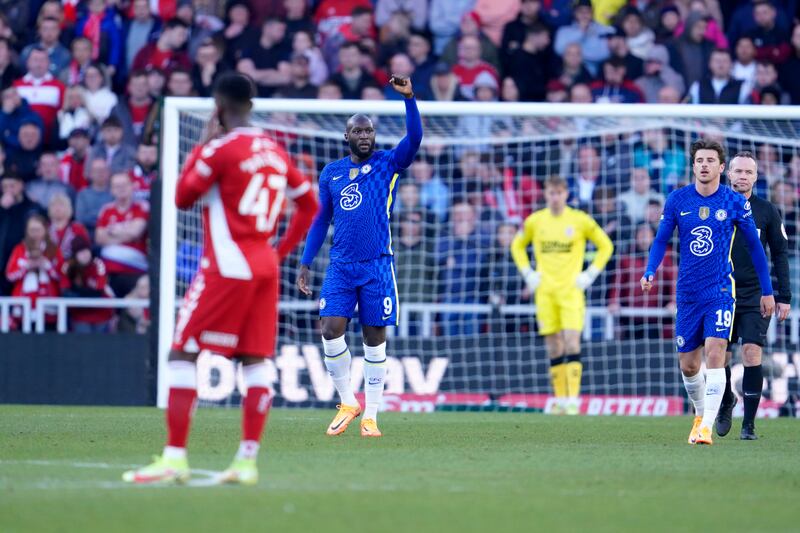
{"type": "Point", "coordinates": [243, 178]}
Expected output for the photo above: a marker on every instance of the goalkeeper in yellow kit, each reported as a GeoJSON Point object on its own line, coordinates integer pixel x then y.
{"type": "Point", "coordinates": [559, 234]}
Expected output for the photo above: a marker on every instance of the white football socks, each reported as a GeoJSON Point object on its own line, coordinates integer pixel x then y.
{"type": "Point", "coordinates": [696, 389]}
{"type": "Point", "coordinates": [374, 376]}
{"type": "Point", "coordinates": [715, 390]}
{"type": "Point", "coordinates": [337, 361]}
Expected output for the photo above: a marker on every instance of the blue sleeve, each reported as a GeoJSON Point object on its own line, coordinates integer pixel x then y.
{"type": "Point", "coordinates": [664, 234]}
{"type": "Point", "coordinates": [319, 228]}
{"type": "Point", "coordinates": [406, 149]}
{"type": "Point", "coordinates": [748, 228]}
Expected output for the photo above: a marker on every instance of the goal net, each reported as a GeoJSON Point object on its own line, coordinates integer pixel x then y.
{"type": "Point", "coordinates": [467, 336]}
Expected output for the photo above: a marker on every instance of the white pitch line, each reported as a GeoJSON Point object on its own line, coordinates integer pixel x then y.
{"type": "Point", "coordinates": [209, 478]}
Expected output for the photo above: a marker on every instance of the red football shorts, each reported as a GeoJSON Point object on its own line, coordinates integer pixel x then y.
{"type": "Point", "coordinates": [228, 316]}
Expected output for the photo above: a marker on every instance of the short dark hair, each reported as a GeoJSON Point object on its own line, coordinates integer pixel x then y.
{"type": "Point", "coordinates": [555, 181]}
{"type": "Point", "coordinates": [360, 10]}
{"type": "Point", "coordinates": [722, 51]}
{"type": "Point", "coordinates": [137, 73]}
{"type": "Point", "coordinates": [175, 23]}
{"type": "Point", "coordinates": [707, 144]}
{"type": "Point", "coordinates": [350, 44]}
{"type": "Point", "coordinates": [111, 122]}
{"type": "Point", "coordinates": [235, 87]}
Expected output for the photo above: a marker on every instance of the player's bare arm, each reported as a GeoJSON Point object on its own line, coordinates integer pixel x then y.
{"type": "Point", "coordinates": [303, 276]}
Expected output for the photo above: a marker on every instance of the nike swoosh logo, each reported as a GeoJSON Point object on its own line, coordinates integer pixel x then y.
{"type": "Point", "coordinates": [722, 329]}
{"type": "Point", "coordinates": [335, 178]}
{"type": "Point", "coordinates": [339, 424]}
{"type": "Point", "coordinates": [684, 213]}
{"type": "Point", "coordinates": [385, 318]}
{"type": "Point", "coordinates": [751, 394]}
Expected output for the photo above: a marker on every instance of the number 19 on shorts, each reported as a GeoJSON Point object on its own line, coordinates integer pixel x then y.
{"type": "Point", "coordinates": [724, 318]}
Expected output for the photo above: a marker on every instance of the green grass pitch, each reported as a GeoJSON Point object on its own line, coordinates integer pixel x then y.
{"type": "Point", "coordinates": [60, 470]}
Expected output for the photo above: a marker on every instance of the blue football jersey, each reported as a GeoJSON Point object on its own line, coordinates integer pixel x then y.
{"type": "Point", "coordinates": [360, 198]}
{"type": "Point", "coordinates": [706, 228]}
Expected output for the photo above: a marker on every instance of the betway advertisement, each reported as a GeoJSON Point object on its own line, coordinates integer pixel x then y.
{"type": "Point", "coordinates": [426, 375]}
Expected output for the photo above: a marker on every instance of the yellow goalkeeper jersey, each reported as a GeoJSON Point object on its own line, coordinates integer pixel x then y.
{"type": "Point", "coordinates": [559, 245]}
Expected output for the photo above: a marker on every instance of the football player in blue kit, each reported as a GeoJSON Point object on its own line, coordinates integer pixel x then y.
{"type": "Point", "coordinates": [356, 194]}
{"type": "Point", "coordinates": [707, 215]}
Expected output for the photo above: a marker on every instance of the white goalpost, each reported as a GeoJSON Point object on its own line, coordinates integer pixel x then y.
{"type": "Point", "coordinates": [467, 335]}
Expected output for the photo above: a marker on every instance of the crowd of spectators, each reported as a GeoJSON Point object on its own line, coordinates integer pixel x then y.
{"type": "Point", "coordinates": [83, 82]}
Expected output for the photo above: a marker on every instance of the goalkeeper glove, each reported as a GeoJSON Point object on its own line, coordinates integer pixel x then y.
{"type": "Point", "coordinates": [532, 279]}
{"type": "Point", "coordinates": [587, 277]}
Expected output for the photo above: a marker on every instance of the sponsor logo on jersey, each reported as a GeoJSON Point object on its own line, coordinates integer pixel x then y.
{"type": "Point", "coordinates": [353, 173]}
{"type": "Point", "coordinates": [747, 205]}
{"type": "Point", "coordinates": [322, 303]}
{"type": "Point", "coordinates": [556, 247]}
{"type": "Point", "coordinates": [721, 215]}
{"type": "Point", "coordinates": [218, 338]}
{"type": "Point", "coordinates": [680, 341]}
{"type": "Point", "coordinates": [336, 177]}
{"type": "Point", "coordinates": [683, 213]}
{"type": "Point", "coordinates": [365, 169]}
{"type": "Point", "coordinates": [704, 212]}
{"type": "Point", "coordinates": [351, 197]}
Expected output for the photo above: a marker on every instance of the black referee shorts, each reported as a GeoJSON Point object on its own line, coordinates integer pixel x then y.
{"type": "Point", "coordinates": [749, 326]}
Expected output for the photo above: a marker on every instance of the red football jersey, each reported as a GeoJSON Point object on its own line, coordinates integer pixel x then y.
{"type": "Point", "coordinates": [244, 178]}
{"type": "Point", "coordinates": [129, 257]}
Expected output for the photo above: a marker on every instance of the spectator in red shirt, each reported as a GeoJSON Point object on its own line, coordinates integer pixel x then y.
{"type": "Point", "coordinates": [470, 65]}
{"type": "Point", "coordinates": [132, 111]}
{"type": "Point", "coordinates": [43, 92]}
{"type": "Point", "coordinates": [63, 229]}
{"type": "Point", "coordinates": [330, 15]}
{"type": "Point", "coordinates": [74, 159]}
{"type": "Point", "coordinates": [166, 54]}
{"type": "Point", "coordinates": [84, 276]}
{"type": "Point", "coordinates": [359, 28]}
{"type": "Point", "coordinates": [35, 265]}
{"type": "Point", "coordinates": [470, 26]}
{"type": "Point", "coordinates": [145, 171]}
{"type": "Point", "coordinates": [122, 233]}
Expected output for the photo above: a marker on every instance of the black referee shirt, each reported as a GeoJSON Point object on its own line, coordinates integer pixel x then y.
{"type": "Point", "coordinates": [771, 231]}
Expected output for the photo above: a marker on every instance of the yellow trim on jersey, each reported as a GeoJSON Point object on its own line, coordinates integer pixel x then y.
{"type": "Point", "coordinates": [730, 262]}
{"type": "Point", "coordinates": [396, 296]}
{"type": "Point", "coordinates": [389, 201]}
{"type": "Point", "coordinates": [391, 190]}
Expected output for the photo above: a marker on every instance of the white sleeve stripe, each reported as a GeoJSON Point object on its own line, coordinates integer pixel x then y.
{"type": "Point", "coordinates": [298, 191]}
{"type": "Point", "coordinates": [202, 168]}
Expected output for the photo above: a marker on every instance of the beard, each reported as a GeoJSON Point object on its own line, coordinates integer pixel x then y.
{"type": "Point", "coordinates": [360, 151]}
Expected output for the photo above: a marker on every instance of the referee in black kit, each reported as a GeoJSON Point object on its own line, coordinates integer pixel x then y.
{"type": "Point", "coordinates": [748, 324]}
